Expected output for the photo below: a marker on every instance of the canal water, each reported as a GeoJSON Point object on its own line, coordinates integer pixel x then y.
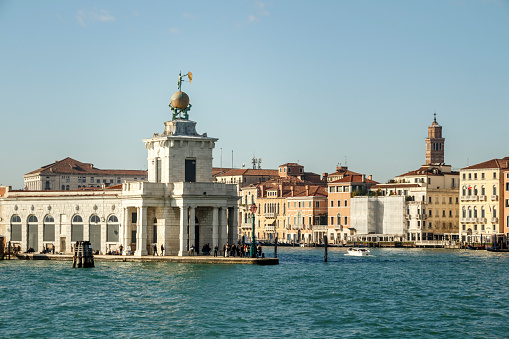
{"type": "Point", "coordinates": [394, 293]}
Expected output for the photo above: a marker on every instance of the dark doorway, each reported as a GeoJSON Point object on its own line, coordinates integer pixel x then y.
{"type": "Point", "coordinates": [190, 170]}
{"type": "Point", "coordinates": [196, 234]}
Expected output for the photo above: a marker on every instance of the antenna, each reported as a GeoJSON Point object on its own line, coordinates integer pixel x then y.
{"type": "Point", "coordinates": [260, 163]}
{"type": "Point", "coordinates": [346, 161]}
{"type": "Point", "coordinates": [221, 162]}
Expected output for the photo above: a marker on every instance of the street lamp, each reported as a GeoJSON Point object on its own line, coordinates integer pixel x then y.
{"type": "Point", "coordinates": [253, 242]}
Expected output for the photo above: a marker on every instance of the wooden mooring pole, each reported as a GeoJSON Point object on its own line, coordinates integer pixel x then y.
{"type": "Point", "coordinates": [325, 243]}
{"type": "Point", "coordinates": [83, 256]}
{"type": "Point", "coordinates": [275, 248]}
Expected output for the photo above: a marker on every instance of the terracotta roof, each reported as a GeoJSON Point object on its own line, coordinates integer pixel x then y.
{"type": "Point", "coordinates": [395, 185]}
{"type": "Point", "coordinates": [493, 163]}
{"type": "Point", "coordinates": [343, 172]}
{"type": "Point", "coordinates": [427, 170]}
{"type": "Point", "coordinates": [300, 191]}
{"type": "Point", "coordinates": [353, 178]}
{"type": "Point", "coordinates": [291, 164]}
{"type": "Point", "coordinates": [72, 166]}
{"type": "Point", "coordinates": [227, 172]}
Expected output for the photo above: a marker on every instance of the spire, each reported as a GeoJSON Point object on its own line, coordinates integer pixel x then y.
{"type": "Point", "coordinates": [435, 117]}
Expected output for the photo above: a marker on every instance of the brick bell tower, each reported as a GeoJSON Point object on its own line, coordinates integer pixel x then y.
{"type": "Point", "coordinates": [435, 144]}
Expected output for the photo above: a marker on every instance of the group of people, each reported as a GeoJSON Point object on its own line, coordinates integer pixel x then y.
{"type": "Point", "coordinates": [47, 250]}
{"type": "Point", "coordinates": [155, 250]}
{"type": "Point", "coordinates": [239, 250]}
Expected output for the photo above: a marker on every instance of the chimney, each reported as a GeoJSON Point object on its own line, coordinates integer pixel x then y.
{"type": "Point", "coordinates": [363, 178]}
{"type": "Point", "coordinates": [261, 191]}
{"type": "Point", "coordinates": [280, 193]}
{"type": "Point", "coordinates": [307, 190]}
{"type": "Point", "coordinates": [370, 177]}
{"type": "Point", "coordinates": [291, 189]}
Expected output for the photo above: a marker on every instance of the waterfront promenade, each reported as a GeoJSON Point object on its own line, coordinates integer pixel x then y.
{"type": "Point", "coordinates": [197, 259]}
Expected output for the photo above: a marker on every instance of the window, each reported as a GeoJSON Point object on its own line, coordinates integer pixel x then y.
{"type": "Point", "coordinates": [494, 190]}
{"type": "Point", "coordinates": [112, 229]}
{"type": "Point", "coordinates": [494, 175]}
{"type": "Point", "coordinates": [429, 198]}
{"type": "Point", "coordinates": [15, 228]}
{"type": "Point", "coordinates": [317, 204]}
{"type": "Point", "coordinates": [469, 176]}
{"type": "Point", "coordinates": [430, 213]}
{"type": "Point", "coordinates": [332, 220]}
{"type": "Point", "coordinates": [475, 176]}
{"type": "Point", "coordinates": [464, 176]}
{"type": "Point", "coordinates": [332, 203]}
{"type": "Point", "coordinates": [450, 213]}
{"type": "Point", "coordinates": [134, 217]}
{"type": "Point", "coordinates": [450, 200]}
{"type": "Point", "coordinates": [310, 205]}
{"type": "Point", "coordinates": [346, 220]}
{"type": "Point", "coordinates": [482, 176]}
{"type": "Point", "coordinates": [346, 205]}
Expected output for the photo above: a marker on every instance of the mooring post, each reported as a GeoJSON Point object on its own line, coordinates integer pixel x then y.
{"type": "Point", "coordinates": [9, 249]}
{"type": "Point", "coordinates": [275, 248]}
{"type": "Point", "coordinates": [325, 248]}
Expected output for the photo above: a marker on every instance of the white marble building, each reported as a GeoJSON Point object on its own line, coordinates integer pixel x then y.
{"type": "Point", "coordinates": [177, 207]}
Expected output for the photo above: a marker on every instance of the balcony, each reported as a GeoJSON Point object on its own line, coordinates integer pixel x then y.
{"type": "Point", "coordinates": [270, 228]}
{"type": "Point", "coordinates": [494, 220]}
{"type": "Point", "coordinates": [321, 227]}
{"type": "Point", "coordinates": [472, 198]}
{"type": "Point", "coordinates": [482, 198]}
{"type": "Point", "coordinates": [464, 198]}
{"type": "Point", "coordinates": [421, 217]}
{"type": "Point", "coordinates": [270, 215]}
{"type": "Point", "coordinates": [246, 225]}
{"type": "Point", "coordinates": [481, 220]}
{"type": "Point", "coordinates": [494, 197]}
{"type": "Point", "coordinates": [297, 227]}
{"type": "Point", "coordinates": [408, 216]}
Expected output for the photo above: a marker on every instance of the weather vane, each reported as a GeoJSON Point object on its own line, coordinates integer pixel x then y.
{"type": "Point", "coordinates": [180, 100]}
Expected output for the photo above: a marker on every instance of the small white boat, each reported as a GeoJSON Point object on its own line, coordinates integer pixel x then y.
{"type": "Point", "coordinates": [358, 252]}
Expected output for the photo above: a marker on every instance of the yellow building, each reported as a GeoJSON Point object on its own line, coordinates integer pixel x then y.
{"type": "Point", "coordinates": [482, 201]}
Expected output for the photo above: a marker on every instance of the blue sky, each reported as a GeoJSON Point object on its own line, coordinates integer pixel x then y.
{"type": "Point", "coordinates": [318, 82]}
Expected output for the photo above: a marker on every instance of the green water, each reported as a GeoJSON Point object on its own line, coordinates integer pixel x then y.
{"type": "Point", "coordinates": [394, 293]}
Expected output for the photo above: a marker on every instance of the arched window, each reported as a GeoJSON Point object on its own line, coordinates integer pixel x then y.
{"type": "Point", "coordinates": [470, 213]}
{"type": "Point", "coordinates": [63, 187]}
{"type": "Point", "coordinates": [48, 229]}
{"type": "Point", "coordinates": [77, 228]}
{"type": "Point", "coordinates": [339, 218]}
{"type": "Point", "coordinates": [33, 233]}
{"type": "Point", "coordinates": [494, 189]}
{"type": "Point", "coordinates": [112, 229]}
{"type": "Point", "coordinates": [475, 212]}
{"type": "Point", "coordinates": [94, 231]}
{"type": "Point", "coordinates": [67, 187]}
{"type": "Point", "coordinates": [464, 213]}
{"type": "Point", "coordinates": [483, 190]}
{"type": "Point", "coordinates": [15, 228]}
{"type": "Point", "coordinates": [475, 190]}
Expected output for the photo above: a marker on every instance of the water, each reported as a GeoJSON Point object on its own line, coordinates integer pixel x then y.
{"type": "Point", "coordinates": [394, 293]}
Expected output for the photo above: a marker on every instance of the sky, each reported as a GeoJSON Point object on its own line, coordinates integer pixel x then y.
{"type": "Point", "coordinates": [320, 83]}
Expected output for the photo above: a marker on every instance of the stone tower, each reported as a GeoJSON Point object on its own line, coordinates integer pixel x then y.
{"type": "Point", "coordinates": [435, 144]}
{"type": "Point", "coordinates": [180, 154]}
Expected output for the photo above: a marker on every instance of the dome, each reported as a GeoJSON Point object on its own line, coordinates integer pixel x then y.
{"type": "Point", "coordinates": [180, 100]}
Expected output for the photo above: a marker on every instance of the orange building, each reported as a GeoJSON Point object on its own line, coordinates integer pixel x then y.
{"type": "Point", "coordinates": [340, 193]}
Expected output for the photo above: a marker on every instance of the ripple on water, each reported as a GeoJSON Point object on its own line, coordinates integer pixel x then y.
{"type": "Point", "coordinates": [394, 293]}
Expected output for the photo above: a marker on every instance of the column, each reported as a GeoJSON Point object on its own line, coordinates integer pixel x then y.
{"type": "Point", "coordinates": [192, 225]}
{"type": "Point", "coordinates": [223, 227]}
{"type": "Point", "coordinates": [126, 227]}
{"type": "Point", "coordinates": [215, 226]}
{"type": "Point", "coordinates": [141, 232]}
{"type": "Point", "coordinates": [183, 231]}
{"type": "Point", "coordinates": [24, 234]}
{"type": "Point", "coordinates": [235, 226]}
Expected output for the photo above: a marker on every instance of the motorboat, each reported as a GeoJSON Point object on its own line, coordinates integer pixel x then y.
{"type": "Point", "coordinates": [358, 252]}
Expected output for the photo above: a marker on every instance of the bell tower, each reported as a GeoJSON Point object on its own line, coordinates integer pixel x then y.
{"type": "Point", "coordinates": [435, 144]}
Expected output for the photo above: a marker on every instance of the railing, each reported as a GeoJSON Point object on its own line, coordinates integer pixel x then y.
{"type": "Point", "coordinates": [297, 227]}
{"type": "Point", "coordinates": [482, 198]}
{"type": "Point", "coordinates": [246, 225]}
{"type": "Point", "coordinates": [270, 215]}
{"type": "Point", "coordinates": [481, 220]}
{"type": "Point", "coordinates": [270, 228]}
{"type": "Point", "coordinates": [494, 197]}
{"type": "Point", "coordinates": [494, 220]}
{"type": "Point", "coordinates": [421, 216]}
{"type": "Point", "coordinates": [321, 227]}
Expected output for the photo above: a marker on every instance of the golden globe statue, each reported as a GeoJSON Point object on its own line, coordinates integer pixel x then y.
{"type": "Point", "coordinates": [180, 100]}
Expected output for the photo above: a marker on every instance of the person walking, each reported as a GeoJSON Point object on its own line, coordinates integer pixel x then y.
{"type": "Point", "coordinates": [215, 250]}
{"type": "Point", "coordinates": [162, 250]}
{"type": "Point", "coordinates": [155, 250]}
